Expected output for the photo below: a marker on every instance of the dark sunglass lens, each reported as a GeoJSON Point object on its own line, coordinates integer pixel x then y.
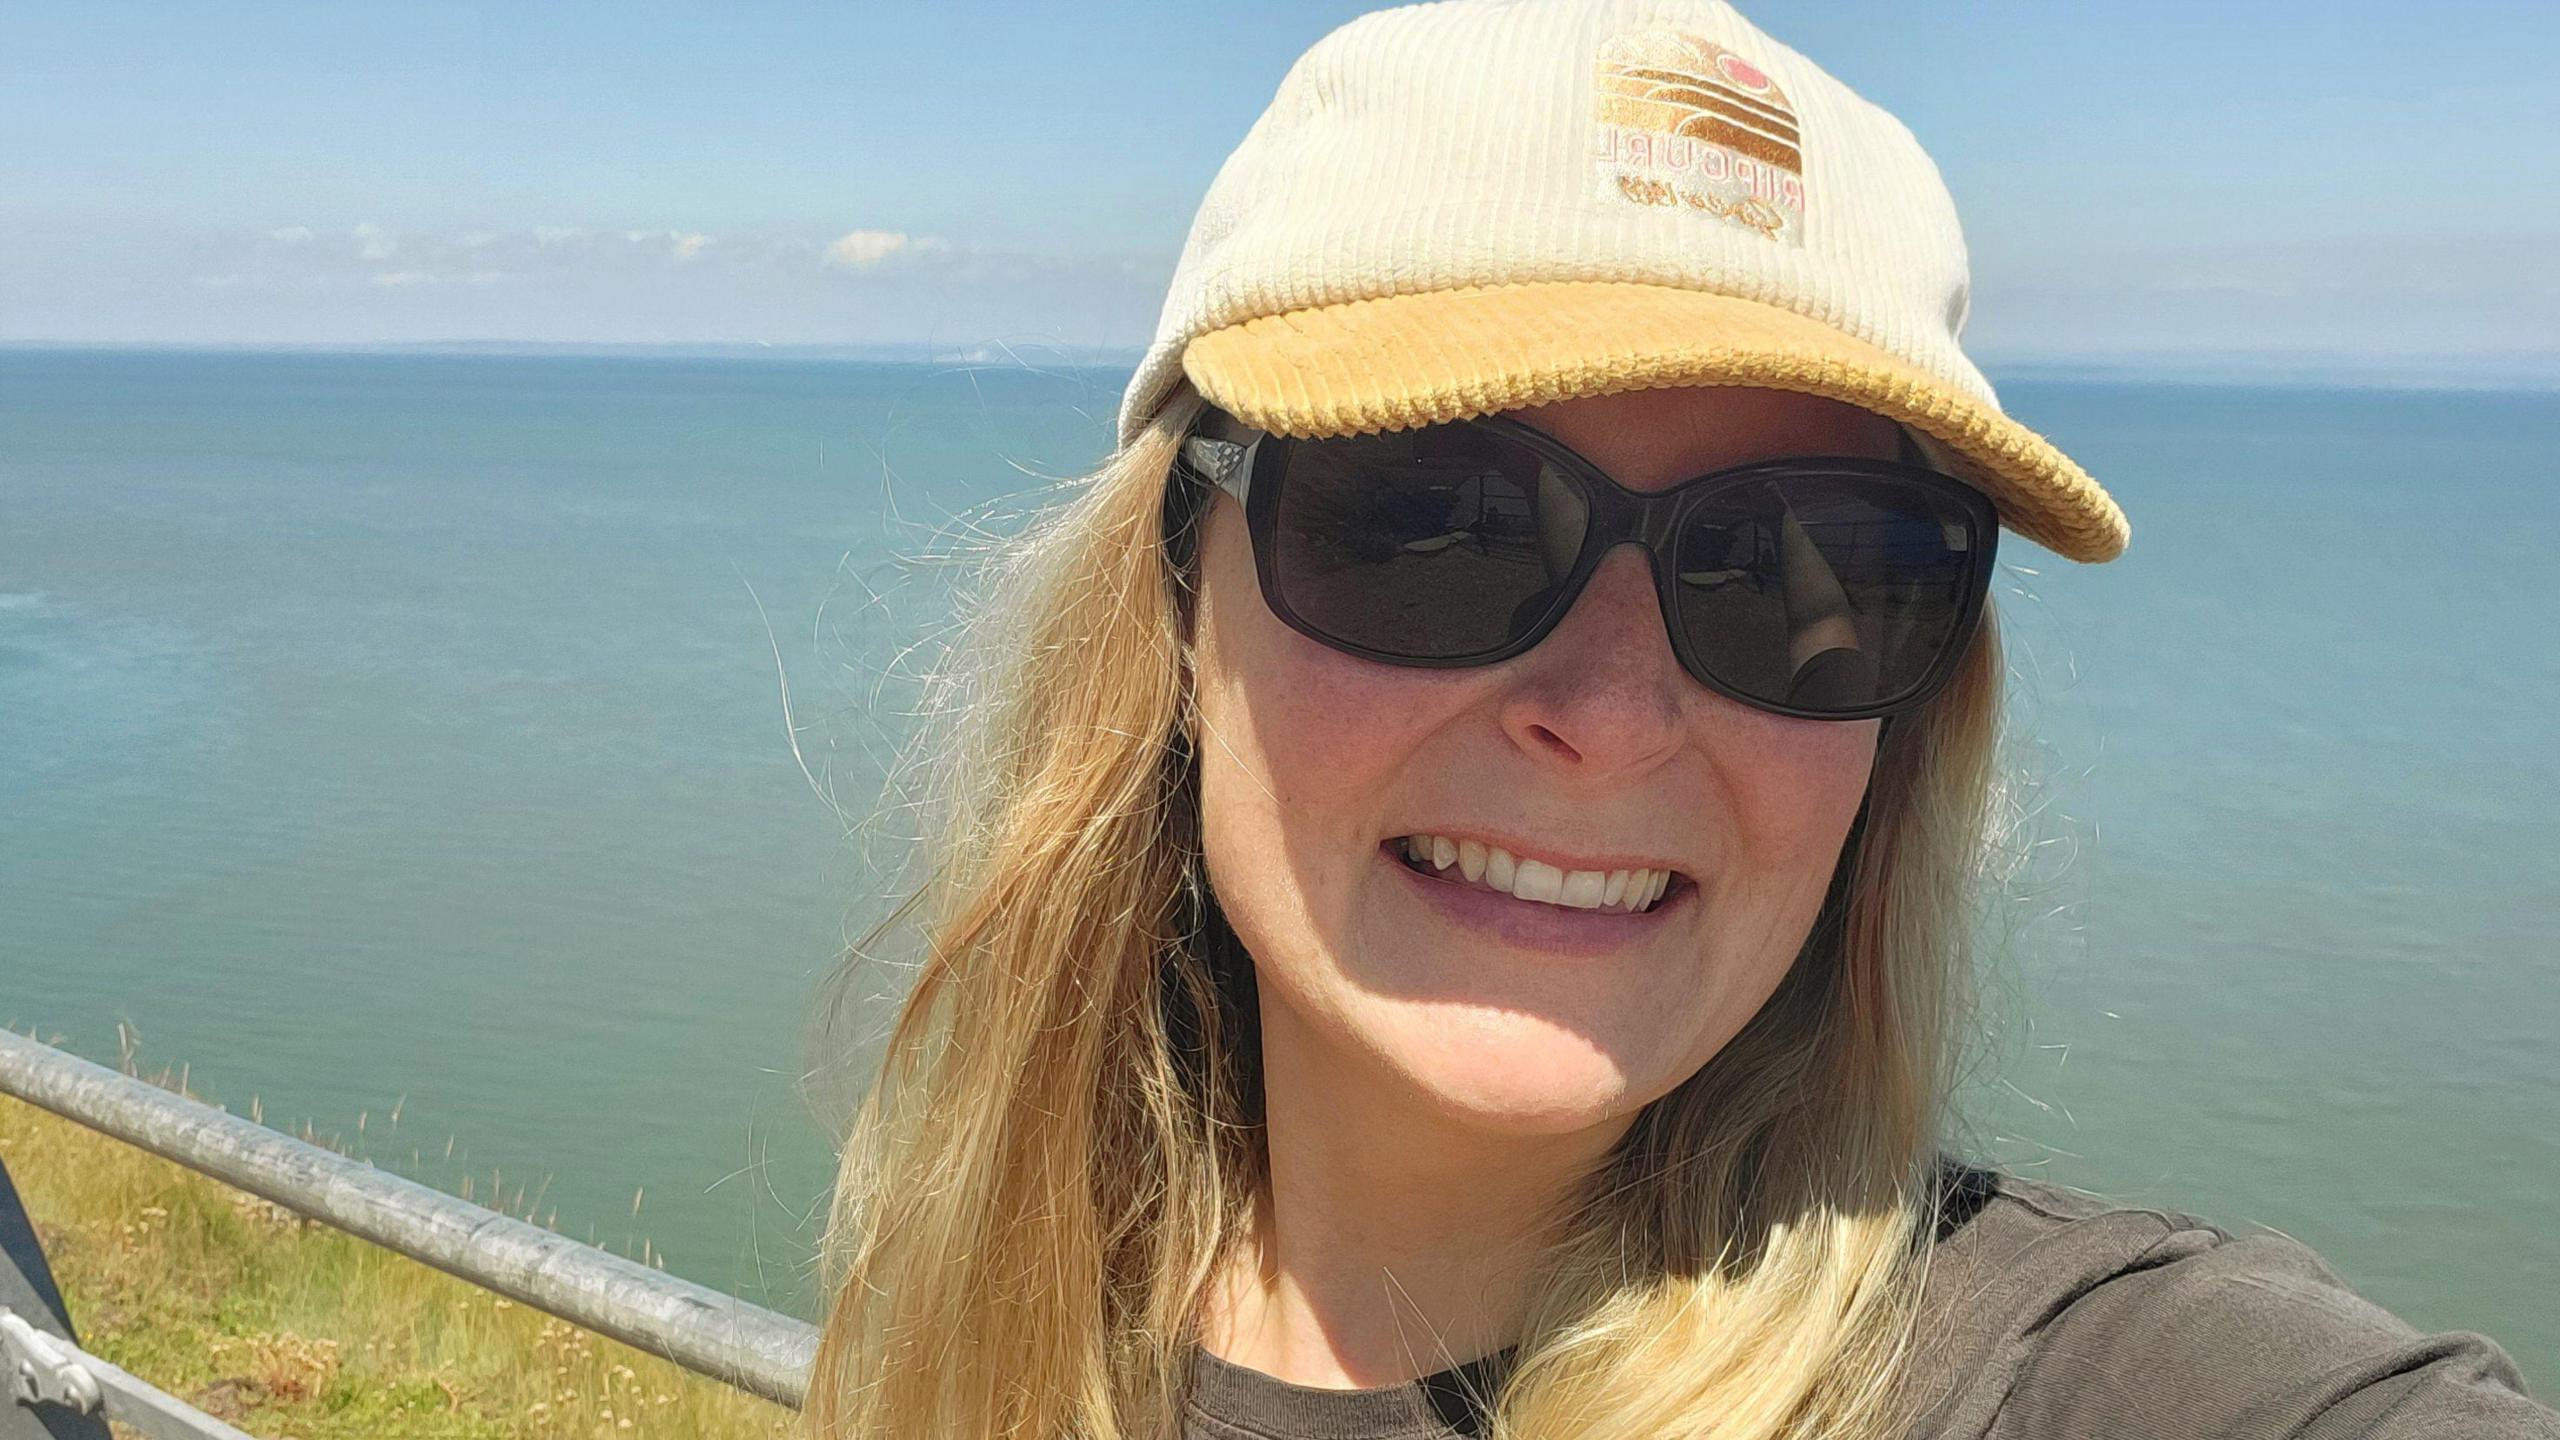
{"type": "Point", "coordinates": [1825, 592]}
{"type": "Point", "coordinates": [1430, 544]}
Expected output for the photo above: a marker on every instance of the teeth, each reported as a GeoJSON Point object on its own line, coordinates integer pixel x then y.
{"type": "Point", "coordinates": [1538, 880]}
{"type": "Point", "coordinates": [1492, 866]}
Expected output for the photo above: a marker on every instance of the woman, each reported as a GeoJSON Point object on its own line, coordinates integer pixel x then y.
{"type": "Point", "coordinates": [1449, 915]}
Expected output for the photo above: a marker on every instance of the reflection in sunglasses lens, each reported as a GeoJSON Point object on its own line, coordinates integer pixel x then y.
{"type": "Point", "coordinates": [1436, 543]}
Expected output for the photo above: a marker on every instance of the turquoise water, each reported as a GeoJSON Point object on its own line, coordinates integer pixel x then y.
{"type": "Point", "coordinates": [407, 730]}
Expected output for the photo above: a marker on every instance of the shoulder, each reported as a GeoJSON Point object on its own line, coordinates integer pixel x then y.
{"type": "Point", "coordinates": [2058, 1312]}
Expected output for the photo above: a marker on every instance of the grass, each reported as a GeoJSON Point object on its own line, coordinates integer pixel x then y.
{"type": "Point", "coordinates": [287, 1328]}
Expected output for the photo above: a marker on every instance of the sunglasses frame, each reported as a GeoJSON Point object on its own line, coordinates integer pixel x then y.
{"type": "Point", "coordinates": [1252, 465]}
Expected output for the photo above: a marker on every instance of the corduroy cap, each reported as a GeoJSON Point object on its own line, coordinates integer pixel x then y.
{"type": "Point", "coordinates": [1457, 208]}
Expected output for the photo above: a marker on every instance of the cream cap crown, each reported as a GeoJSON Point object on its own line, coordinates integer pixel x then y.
{"type": "Point", "coordinates": [1454, 208]}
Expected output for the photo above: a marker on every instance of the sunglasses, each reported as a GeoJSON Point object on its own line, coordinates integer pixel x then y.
{"type": "Point", "coordinates": [1824, 588]}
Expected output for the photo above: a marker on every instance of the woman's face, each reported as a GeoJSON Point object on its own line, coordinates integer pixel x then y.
{"type": "Point", "coordinates": [1595, 752]}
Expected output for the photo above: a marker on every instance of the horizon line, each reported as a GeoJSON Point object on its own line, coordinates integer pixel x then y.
{"type": "Point", "coordinates": [2475, 369]}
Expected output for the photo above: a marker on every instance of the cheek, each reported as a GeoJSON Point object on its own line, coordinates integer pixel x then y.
{"type": "Point", "coordinates": [1794, 787]}
{"type": "Point", "coordinates": [1301, 750]}
{"type": "Point", "coordinates": [1287, 707]}
{"type": "Point", "coordinates": [1316, 732]}
{"type": "Point", "coordinates": [1807, 775]}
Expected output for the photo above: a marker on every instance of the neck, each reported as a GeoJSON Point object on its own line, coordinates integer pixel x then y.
{"type": "Point", "coordinates": [1394, 1240]}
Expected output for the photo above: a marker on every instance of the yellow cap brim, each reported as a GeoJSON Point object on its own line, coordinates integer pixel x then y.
{"type": "Point", "coordinates": [1400, 361]}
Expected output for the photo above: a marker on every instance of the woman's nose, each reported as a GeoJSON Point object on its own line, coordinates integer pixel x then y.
{"type": "Point", "coordinates": [1602, 695]}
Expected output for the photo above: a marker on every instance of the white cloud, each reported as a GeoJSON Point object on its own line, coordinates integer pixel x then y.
{"type": "Point", "coordinates": [688, 246]}
{"type": "Point", "coordinates": [549, 235]}
{"type": "Point", "coordinates": [373, 243]}
{"type": "Point", "coordinates": [867, 249]}
{"type": "Point", "coordinates": [397, 279]}
{"type": "Point", "coordinates": [291, 235]}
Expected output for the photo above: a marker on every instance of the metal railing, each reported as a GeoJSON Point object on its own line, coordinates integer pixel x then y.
{"type": "Point", "coordinates": [48, 1371]}
{"type": "Point", "coordinates": [704, 1330]}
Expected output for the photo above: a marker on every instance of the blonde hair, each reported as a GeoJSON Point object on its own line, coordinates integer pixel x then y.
{"type": "Point", "coordinates": [1062, 1140]}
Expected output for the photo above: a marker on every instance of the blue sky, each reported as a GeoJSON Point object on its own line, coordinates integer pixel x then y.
{"type": "Point", "coordinates": [2377, 183]}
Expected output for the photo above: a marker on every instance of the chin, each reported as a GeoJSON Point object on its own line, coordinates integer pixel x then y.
{"type": "Point", "coordinates": [1516, 1074]}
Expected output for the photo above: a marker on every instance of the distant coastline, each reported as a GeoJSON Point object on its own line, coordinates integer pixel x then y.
{"type": "Point", "coordinates": [2526, 371]}
{"type": "Point", "coordinates": [2532, 371]}
{"type": "Point", "coordinates": [1028, 353]}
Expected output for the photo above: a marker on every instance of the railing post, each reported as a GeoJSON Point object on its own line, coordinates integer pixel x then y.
{"type": "Point", "coordinates": [27, 1288]}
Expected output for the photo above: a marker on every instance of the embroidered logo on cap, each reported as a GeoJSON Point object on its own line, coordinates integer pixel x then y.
{"type": "Point", "coordinates": [1682, 121]}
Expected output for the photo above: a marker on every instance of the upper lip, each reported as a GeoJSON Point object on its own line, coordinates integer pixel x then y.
{"type": "Point", "coordinates": [1523, 851]}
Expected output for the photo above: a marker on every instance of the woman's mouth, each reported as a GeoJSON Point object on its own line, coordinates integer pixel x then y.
{"type": "Point", "coordinates": [1479, 866]}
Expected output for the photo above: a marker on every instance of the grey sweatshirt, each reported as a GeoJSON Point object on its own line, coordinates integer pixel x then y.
{"type": "Point", "coordinates": [2058, 1315]}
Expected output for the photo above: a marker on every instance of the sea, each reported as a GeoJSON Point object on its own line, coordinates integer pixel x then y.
{"type": "Point", "coordinates": [476, 761]}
